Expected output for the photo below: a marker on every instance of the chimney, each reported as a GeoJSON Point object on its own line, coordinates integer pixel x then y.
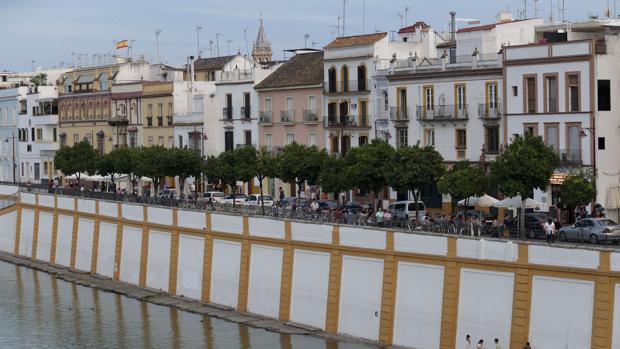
{"type": "Point", "coordinates": [452, 26]}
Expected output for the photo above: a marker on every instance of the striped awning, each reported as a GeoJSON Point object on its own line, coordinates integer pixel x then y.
{"type": "Point", "coordinates": [613, 196]}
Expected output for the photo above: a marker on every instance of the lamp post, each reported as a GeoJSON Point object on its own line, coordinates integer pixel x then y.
{"type": "Point", "coordinates": [14, 164]}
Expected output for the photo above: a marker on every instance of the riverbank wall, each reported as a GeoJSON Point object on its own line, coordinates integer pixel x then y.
{"type": "Point", "coordinates": [396, 288]}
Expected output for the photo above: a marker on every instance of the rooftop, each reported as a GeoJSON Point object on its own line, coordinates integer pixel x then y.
{"type": "Point", "coordinates": [487, 26]}
{"type": "Point", "coordinates": [301, 70]}
{"type": "Point", "coordinates": [210, 64]}
{"type": "Point", "coordinates": [357, 40]}
{"type": "Point", "coordinates": [412, 28]}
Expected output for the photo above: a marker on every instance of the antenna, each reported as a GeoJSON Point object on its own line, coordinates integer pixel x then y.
{"type": "Point", "coordinates": [407, 8]}
{"type": "Point", "coordinates": [306, 36]}
{"type": "Point", "coordinates": [363, 17]}
{"type": "Point", "coordinates": [217, 42]}
{"type": "Point", "coordinates": [314, 43]}
{"type": "Point", "coordinates": [245, 37]}
{"type": "Point", "coordinates": [344, 14]}
{"type": "Point", "coordinates": [198, 27]}
{"type": "Point", "coordinates": [400, 15]}
{"type": "Point", "coordinates": [157, 33]}
{"type": "Point", "coordinates": [228, 47]}
{"type": "Point", "coordinates": [211, 48]}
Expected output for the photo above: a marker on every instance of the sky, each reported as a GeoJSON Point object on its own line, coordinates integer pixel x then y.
{"type": "Point", "coordinates": [51, 32]}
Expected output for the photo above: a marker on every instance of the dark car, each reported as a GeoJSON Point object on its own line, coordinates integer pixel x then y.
{"type": "Point", "coordinates": [353, 207]}
{"type": "Point", "coordinates": [288, 203]}
{"type": "Point", "coordinates": [534, 225]}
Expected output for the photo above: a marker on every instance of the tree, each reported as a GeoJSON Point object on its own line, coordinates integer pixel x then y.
{"type": "Point", "coordinates": [414, 167]}
{"type": "Point", "coordinates": [39, 79]}
{"type": "Point", "coordinates": [266, 166]}
{"type": "Point", "coordinates": [126, 162]}
{"type": "Point", "coordinates": [366, 166]}
{"type": "Point", "coordinates": [463, 181]}
{"type": "Point", "coordinates": [224, 169]}
{"type": "Point", "coordinates": [245, 165]}
{"type": "Point", "coordinates": [577, 190]}
{"type": "Point", "coordinates": [77, 159]}
{"type": "Point", "coordinates": [106, 166]}
{"type": "Point", "coordinates": [184, 163]}
{"type": "Point", "coordinates": [153, 163]}
{"type": "Point", "coordinates": [300, 164]}
{"type": "Point", "coordinates": [333, 177]}
{"type": "Point", "coordinates": [526, 164]}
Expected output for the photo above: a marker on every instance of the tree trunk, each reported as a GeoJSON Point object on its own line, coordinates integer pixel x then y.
{"type": "Point", "coordinates": [262, 201]}
{"type": "Point", "coordinates": [522, 231]}
{"type": "Point", "coordinates": [234, 194]}
{"type": "Point", "coordinates": [416, 195]}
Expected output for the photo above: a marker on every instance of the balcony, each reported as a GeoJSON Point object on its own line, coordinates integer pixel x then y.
{"type": "Point", "coordinates": [442, 113]}
{"type": "Point", "coordinates": [227, 114]}
{"type": "Point", "coordinates": [347, 86]}
{"type": "Point", "coordinates": [490, 113]}
{"type": "Point", "coordinates": [311, 116]}
{"type": "Point", "coordinates": [246, 112]}
{"type": "Point", "coordinates": [266, 116]}
{"type": "Point", "coordinates": [347, 121]}
{"type": "Point", "coordinates": [570, 156]}
{"type": "Point", "coordinates": [399, 114]}
{"type": "Point", "coordinates": [287, 116]}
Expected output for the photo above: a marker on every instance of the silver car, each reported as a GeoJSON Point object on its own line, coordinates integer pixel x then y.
{"type": "Point", "coordinates": [593, 230]}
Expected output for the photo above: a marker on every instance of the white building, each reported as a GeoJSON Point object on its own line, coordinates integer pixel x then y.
{"type": "Point", "coordinates": [38, 135]}
{"type": "Point", "coordinates": [9, 133]}
{"type": "Point", "coordinates": [561, 90]}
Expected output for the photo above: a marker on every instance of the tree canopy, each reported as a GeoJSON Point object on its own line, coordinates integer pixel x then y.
{"type": "Point", "coordinates": [77, 159]}
{"type": "Point", "coordinates": [367, 166]}
{"type": "Point", "coordinates": [463, 181]}
{"type": "Point", "coordinates": [332, 177]}
{"type": "Point", "coordinates": [576, 191]}
{"type": "Point", "coordinates": [299, 164]}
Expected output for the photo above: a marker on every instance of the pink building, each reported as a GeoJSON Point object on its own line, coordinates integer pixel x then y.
{"type": "Point", "coordinates": [290, 101]}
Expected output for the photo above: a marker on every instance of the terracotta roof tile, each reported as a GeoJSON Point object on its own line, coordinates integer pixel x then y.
{"type": "Point", "coordinates": [301, 70]}
{"type": "Point", "coordinates": [411, 28]}
{"type": "Point", "coordinates": [215, 63]}
{"type": "Point", "coordinates": [358, 40]}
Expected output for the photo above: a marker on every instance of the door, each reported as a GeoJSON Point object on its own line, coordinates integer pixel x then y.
{"type": "Point", "coordinates": [429, 101]}
{"type": "Point", "coordinates": [228, 110]}
{"type": "Point", "coordinates": [332, 114]}
{"type": "Point", "coordinates": [228, 141]}
{"type": "Point", "coordinates": [363, 114]}
{"type": "Point", "coordinates": [344, 112]}
{"type": "Point", "coordinates": [402, 104]}
{"type": "Point", "coordinates": [246, 105]}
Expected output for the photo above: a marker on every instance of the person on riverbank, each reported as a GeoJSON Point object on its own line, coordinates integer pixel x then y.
{"type": "Point", "coordinates": [480, 344]}
{"type": "Point", "coordinates": [497, 345]}
{"type": "Point", "coordinates": [467, 342]}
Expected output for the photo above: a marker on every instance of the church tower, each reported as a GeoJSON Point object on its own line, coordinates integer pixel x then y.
{"type": "Point", "coordinates": [261, 52]}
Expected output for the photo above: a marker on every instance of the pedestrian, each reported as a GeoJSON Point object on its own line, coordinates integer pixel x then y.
{"type": "Point", "coordinates": [480, 344]}
{"type": "Point", "coordinates": [379, 217]}
{"type": "Point", "coordinates": [467, 342]}
{"type": "Point", "coordinates": [527, 346]}
{"type": "Point", "coordinates": [281, 194]}
{"type": "Point", "coordinates": [548, 226]}
{"type": "Point", "coordinates": [497, 345]}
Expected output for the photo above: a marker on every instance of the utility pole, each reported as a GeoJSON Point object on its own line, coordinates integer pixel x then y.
{"type": "Point", "coordinates": [228, 47]}
{"type": "Point", "coordinates": [198, 27]}
{"type": "Point", "coordinates": [157, 33]}
{"type": "Point", "coordinates": [363, 17]}
{"type": "Point", "coordinates": [306, 36]}
{"type": "Point", "coordinates": [14, 164]}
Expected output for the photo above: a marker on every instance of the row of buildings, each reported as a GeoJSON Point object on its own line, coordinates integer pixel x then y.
{"type": "Point", "coordinates": [466, 92]}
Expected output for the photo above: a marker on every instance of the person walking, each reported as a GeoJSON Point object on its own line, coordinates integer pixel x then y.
{"type": "Point", "coordinates": [548, 226]}
{"type": "Point", "coordinates": [281, 194]}
{"type": "Point", "coordinates": [497, 345]}
{"type": "Point", "coordinates": [467, 342]}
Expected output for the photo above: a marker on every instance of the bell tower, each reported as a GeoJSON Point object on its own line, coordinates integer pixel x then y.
{"type": "Point", "coordinates": [261, 50]}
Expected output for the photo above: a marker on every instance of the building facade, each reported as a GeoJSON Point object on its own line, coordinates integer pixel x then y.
{"type": "Point", "coordinates": [9, 133]}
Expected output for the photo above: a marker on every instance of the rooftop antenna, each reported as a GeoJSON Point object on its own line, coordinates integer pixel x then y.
{"type": "Point", "coordinates": [562, 10]}
{"type": "Point", "coordinates": [306, 36]}
{"type": "Point", "coordinates": [344, 14]}
{"type": "Point", "coordinates": [551, 11]}
{"type": "Point", "coordinates": [211, 48]}
{"type": "Point", "coordinates": [228, 47]}
{"type": "Point", "coordinates": [314, 43]}
{"type": "Point", "coordinates": [400, 15]}
{"type": "Point", "coordinates": [157, 33]}
{"type": "Point", "coordinates": [33, 64]}
{"type": "Point", "coordinates": [407, 8]}
{"type": "Point", "coordinates": [245, 37]}
{"type": "Point", "coordinates": [198, 27]}
{"type": "Point", "coordinates": [339, 18]}
{"type": "Point", "coordinates": [524, 9]}
{"type": "Point", "coordinates": [535, 8]}
{"type": "Point", "coordinates": [363, 17]}
{"type": "Point", "coordinates": [217, 42]}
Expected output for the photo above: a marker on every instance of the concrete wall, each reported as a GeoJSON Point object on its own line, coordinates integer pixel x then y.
{"type": "Point", "coordinates": [410, 290]}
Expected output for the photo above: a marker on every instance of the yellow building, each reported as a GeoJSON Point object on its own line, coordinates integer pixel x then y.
{"type": "Point", "coordinates": [157, 111]}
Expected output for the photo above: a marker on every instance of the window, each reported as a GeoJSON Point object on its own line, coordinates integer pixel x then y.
{"type": "Point", "coordinates": [180, 144]}
{"type": "Point", "coordinates": [103, 81]}
{"type": "Point", "coordinates": [39, 134]}
{"type": "Point", "coordinates": [429, 99]}
{"type": "Point", "coordinates": [362, 140]}
{"type": "Point", "coordinates": [601, 143]}
{"type": "Point", "coordinates": [361, 78]}
{"type": "Point", "coordinates": [228, 108]}
{"type": "Point", "coordinates": [160, 140]}
{"type": "Point", "coordinates": [429, 137]}
{"type": "Point", "coordinates": [228, 141]}
{"type": "Point", "coordinates": [363, 113]}
{"type": "Point", "coordinates": [170, 142]}
{"type": "Point", "coordinates": [572, 92]}
{"type": "Point", "coordinates": [246, 105]}
{"type": "Point", "coordinates": [573, 141]}
{"type": "Point", "coordinates": [345, 78]}
{"type": "Point", "coordinates": [160, 109]}
{"type": "Point", "coordinates": [63, 140]}
{"type": "Point", "coordinates": [100, 143]}
{"type": "Point", "coordinates": [45, 168]}
{"type": "Point", "coordinates": [530, 94]}
{"type": "Point", "coordinates": [54, 134]}
{"type": "Point", "coordinates": [149, 109]}
{"type": "Point", "coordinates": [149, 121]}
{"type": "Point", "coordinates": [403, 138]}
{"type": "Point", "coordinates": [461, 139]}
{"type": "Point", "coordinates": [290, 138]}
{"type": "Point", "coordinates": [532, 129]}
{"type": "Point", "coordinates": [160, 121]}
{"type": "Point", "coordinates": [551, 93]}
{"type": "Point", "coordinates": [247, 135]}
{"type": "Point", "coordinates": [604, 95]}
{"type": "Point", "coordinates": [171, 108]}
{"type": "Point", "coordinates": [491, 97]}
{"type": "Point", "coordinates": [331, 80]}
{"type": "Point", "coordinates": [312, 139]}
{"type": "Point", "coordinates": [459, 91]}
{"type": "Point", "coordinates": [312, 103]}
{"type": "Point", "coordinates": [32, 138]}
{"type": "Point", "coordinates": [268, 141]}
{"type": "Point", "coordinates": [290, 104]}
{"type": "Point", "coordinates": [552, 135]}
{"type": "Point", "coordinates": [68, 84]}
{"type": "Point", "coordinates": [133, 140]}
{"type": "Point", "coordinates": [87, 139]}
{"type": "Point", "coordinates": [76, 138]}
{"type": "Point", "coordinates": [492, 140]}
{"type": "Point", "coordinates": [150, 141]}
{"type": "Point", "coordinates": [37, 171]}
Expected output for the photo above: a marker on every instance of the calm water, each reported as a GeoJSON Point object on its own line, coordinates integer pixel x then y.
{"type": "Point", "coordinates": [39, 311]}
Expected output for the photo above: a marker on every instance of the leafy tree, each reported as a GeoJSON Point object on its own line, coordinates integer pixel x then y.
{"type": "Point", "coordinates": [184, 163]}
{"type": "Point", "coordinates": [153, 163]}
{"type": "Point", "coordinates": [245, 163]}
{"type": "Point", "coordinates": [77, 159]}
{"type": "Point", "coordinates": [224, 169]}
{"type": "Point", "coordinates": [577, 190]}
{"type": "Point", "coordinates": [366, 166]}
{"type": "Point", "coordinates": [300, 164]}
{"type": "Point", "coordinates": [463, 181]}
{"type": "Point", "coordinates": [126, 162]}
{"type": "Point", "coordinates": [106, 166]}
{"type": "Point", "coordinates": [333, 177]}
{"type": "Point", "coordinates": [526, 164]}
{"type": "Point", "coordinates": [414, 167]}
{"type": "Point", "coordinates": [266, 166]}
{"type": "Point", "coordinates": [39, 79]}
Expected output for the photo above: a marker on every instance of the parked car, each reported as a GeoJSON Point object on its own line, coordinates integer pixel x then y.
{"type": "Point", "coordinates": [214, 196]}
{"type": "Point", "coordinates": [353, 207]}
{"type": "Point", "coordinates": [534, 224]}
{"type": "Point", "coordinates": [288, 202]}
{"type": "Point", "coordinates": [328, 205]}
{"type": "Point", "coordinates": [407, 209]}
{"type": "Point", "coordinates": [255, 200]}
{"type": "Point", "coordinates": [239, 198]}
{"type": "Point", "coordinates": [485, 217]}
{"type": "Point", "coordinates": [593, 230]}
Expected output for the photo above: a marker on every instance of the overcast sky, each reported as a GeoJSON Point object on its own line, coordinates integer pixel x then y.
{"type": "Point", "coordinates": [49, 31]}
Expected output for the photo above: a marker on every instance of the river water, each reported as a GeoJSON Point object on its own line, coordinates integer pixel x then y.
{"type": "Point", "coordinates": [39, 311]}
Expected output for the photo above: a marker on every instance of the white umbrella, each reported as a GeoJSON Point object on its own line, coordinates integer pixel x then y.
{"type": "Point", "coordinates": [83, 177]}
{"type": "Point", "coordinates": [613, 196]}
{"type": "Point", "coordinates": [482, 201]}
{"type": "Point", "coordinates": [515, 202]}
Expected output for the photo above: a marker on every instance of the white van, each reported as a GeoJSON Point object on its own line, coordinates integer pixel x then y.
{"type": "Point", "coordinates": [406, 209]}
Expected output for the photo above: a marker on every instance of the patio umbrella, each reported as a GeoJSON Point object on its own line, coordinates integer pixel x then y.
{"type": "Point", "coordinates": [515, 202]}
{"type": "Point", "coordinates": [482, 201]}
{"type": "Point", "coordinates": [613, 198]}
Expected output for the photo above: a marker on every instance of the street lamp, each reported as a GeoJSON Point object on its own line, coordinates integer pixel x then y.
{"type": "Point", "coordinates": [14, 164]}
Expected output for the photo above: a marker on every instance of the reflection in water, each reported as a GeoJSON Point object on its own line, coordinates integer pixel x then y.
{"type": "Point", "coordinates": [39, 311]}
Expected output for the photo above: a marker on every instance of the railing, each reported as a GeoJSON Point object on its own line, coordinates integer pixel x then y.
{"type": "Point", "coordinates": [247, 74]}
{"type": "Point", "coordinates": [287, 116]}
{"type": "Point", "coordinates": [570, 156]}
{"type": "Point", "coordinates": [246, 145]}
{"type": "Point", "coordinates": [266, 116]}
{"type": "Point", "coordinates": [360, 85]}
{"type": "Point", "coordinates": [442, 112]}
{"type": "Point", "coordinates": [311, 115]}
{"type": "Point", "coordinates": [489, 110]}
{"type": "Point", "coordinates": [246, 112]}
{"type": "Point", "coordinates": [227, 113]}
{"type": "Point", "coordinates": [399, 114]}
{"type": "Point", "coordinates": [346, 121]}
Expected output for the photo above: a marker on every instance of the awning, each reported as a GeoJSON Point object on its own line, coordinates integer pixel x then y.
{"type": "Point", "coordinates": [613, 196]}
{"type": "Point", "coordinates": [482, 201]}
{"type": "Point", "coordinates": [85, 79]}
{"type": "Point", "coordinates": [515, 202]}
{"type": "Point", "coordinates": [132, 129]}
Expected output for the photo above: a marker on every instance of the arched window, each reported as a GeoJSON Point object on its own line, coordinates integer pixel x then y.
{"type": "Point", "coordinates": [344, 71]}
{"type": "Point", "coordinates": [361, 78]}
{"type": "Point", "coordinates": [331, 80]}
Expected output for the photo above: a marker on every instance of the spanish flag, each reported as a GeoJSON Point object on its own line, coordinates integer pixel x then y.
{"type": "Point", "coordinates": [122, 44]}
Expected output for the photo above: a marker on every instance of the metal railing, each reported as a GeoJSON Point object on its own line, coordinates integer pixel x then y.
{"type": "Point", "coordinates": [227, 113]}
{"type": "Point", "coordinates": [311, 115]}
{"type": "Point", "coordinates": [266, 116]}
{"type": "Point", "coordinates": [489, 110]}
{"type": "Point", "coordinates": [246, 112]}
{"type": "Point", "coordinates": [570, 156]}
{"type": "Point", "coordinates": [399, 113]}
{"type": "Point", "coordinates": [346, 121]}
{"type": "Point", "coordinates": [287, 116]}
{"type": "Point", "coordinates": [443, 112]}
{"type": "Point", "coordinates": [360, 85]}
